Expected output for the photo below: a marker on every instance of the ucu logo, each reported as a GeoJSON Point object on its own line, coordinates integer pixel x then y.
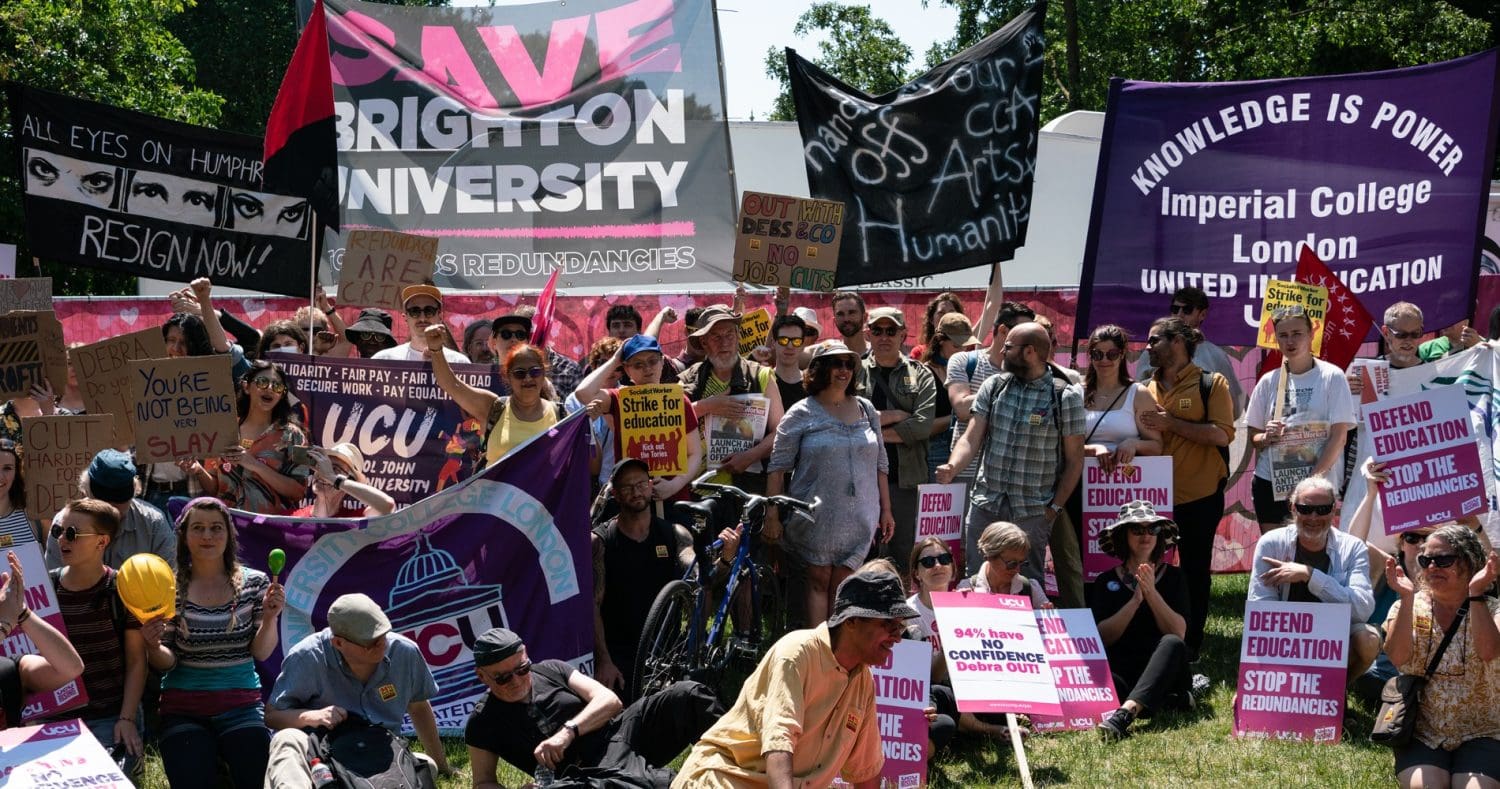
{"type": "Point", "coordinates": [1013, 602]}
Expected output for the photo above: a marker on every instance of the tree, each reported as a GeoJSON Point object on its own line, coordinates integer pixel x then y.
{"type": "Point", "coordinates": [861, 50]}
{"type": "Point", "coordinates": [113, 51]}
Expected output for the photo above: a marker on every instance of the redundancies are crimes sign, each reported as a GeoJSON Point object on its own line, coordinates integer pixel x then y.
{"type": "Point", "coordinates": [1427, 444]}
{"type": "Point", "coordinates": [1293, 662]}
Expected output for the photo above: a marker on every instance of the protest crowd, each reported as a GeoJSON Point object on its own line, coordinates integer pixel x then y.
{"type": "Point", "coordinates": [755, 537]}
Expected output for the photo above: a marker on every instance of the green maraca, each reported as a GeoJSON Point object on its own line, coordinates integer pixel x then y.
{"type": "Point", "coordinates": [275, 562]}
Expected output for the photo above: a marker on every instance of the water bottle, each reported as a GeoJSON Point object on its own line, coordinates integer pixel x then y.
{"type": "Point", "coordinates": [322, 774]}
{"type": "Point", "coordinates": [542, 777]}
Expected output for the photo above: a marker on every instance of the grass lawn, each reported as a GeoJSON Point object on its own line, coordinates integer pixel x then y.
{"type": "Point", "coordinates": [1189, 749]}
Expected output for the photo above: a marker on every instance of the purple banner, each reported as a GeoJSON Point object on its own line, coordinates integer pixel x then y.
{"type": "Point", "coordinates": [507, 548]}
{"type": "Point", "coordinates": [415, 439]}
{"type": "Point", "coordinates": [1384, 174]}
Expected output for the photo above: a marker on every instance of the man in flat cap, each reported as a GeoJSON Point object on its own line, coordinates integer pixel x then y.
{"type": "Point", "coordinates": [807, 713]}
{"type": "Point", "coordinates": [552, 715]}
{"type": "Point", "coordinates": [355, 666]}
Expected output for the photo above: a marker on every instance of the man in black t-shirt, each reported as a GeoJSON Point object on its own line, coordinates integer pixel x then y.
{"type": "Point", "coordinates": [550, 714]}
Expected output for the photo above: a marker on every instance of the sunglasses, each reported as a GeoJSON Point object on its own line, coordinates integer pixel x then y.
{"type": "Point", "coordinates": [932, 561]}
{"type": "Point", "coordinates": [422, 312]}
{"type": "Point", "coordinates": [1314, 509]}
{"type": "Point", "coordinates": [791, 342]}
{"type": "Point", "coordinates": [263, 383]}
{"type": "Point", "coordinates": [841, 362]}
{"type": "Point", "coordinates": [1014, 564]}
{"type": "Point", "coordinates": [1112, 354]}
{"type": "Point", "coordinates": [1182, 309]}
{"type": "Point", "coordinates": [72, 533]}
{"type": "Point", "coordinates": [889, 331]}
{"type": "Point", "coordinates": [513, 334]}
{"type": "Point", "coordinates": [1413, 539]}
{"type": "Point", "coordinates": [504, 679]}
{"type": "Point", "coordinates": [1404, 335]}
{"type": "Point", "coordinates": [1143, 529]}
{"type": "Point", "coordinates": [1444, 560]}
{"type": "Point", "coordinates": [521, 374]}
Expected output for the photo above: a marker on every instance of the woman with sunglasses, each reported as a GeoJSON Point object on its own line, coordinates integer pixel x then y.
{"type": "Point", "coordinates": [511, 419]}
{"type": "Point", "coordinates": [211, 708]}
{"type": "Point", "coordinates": [1141, 607]}
{"type": "Point", "coordinates": [831, 444]}
{"type": "Point", "coordinates": [1457, 738]}
{"type": "Point", "coordinates": [260, 474]}
{"type": "Point", "coordinates": [789, 335]}
{"type": "Point", "coordinates": [1004, 547]}
{"type": "Point", "coordinates": [14, 522]}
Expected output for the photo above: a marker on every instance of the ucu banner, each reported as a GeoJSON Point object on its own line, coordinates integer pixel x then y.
{"type": "Point", "coordinates": [506, 548]}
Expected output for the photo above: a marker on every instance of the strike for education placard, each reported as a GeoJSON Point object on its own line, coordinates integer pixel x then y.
{"type": "Point", "coordinates": [1283, 294]}
{"type": "Point", "coordinates": [1293, 663]}
{"type": "Point", "coordinates": [1427, 443]}
{"type": "Point", "coordinates": [65, 753]}
{"type": "Point", "coordinates": [995, 655]}
{"type": "Point", "coordinates": [184, 408]}
{"type": "Point", "coordinates": [653, 424]}
{"type": "Point", "coordinates": [1085, 685]}
{"type": "Point", "coordinates": [1146, 479]}
{"type": "Point", "coordinates": [901, 699]}
{"type": "Point", "coordinates": [42, 600]}
{"type": "Point", "coordinates": [755, 330]}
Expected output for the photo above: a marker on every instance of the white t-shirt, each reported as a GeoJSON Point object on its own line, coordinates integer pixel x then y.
{"type": "Point", "coordinates": [1319, 396]}
{"type": "Point", "coordinates": [405, 353]}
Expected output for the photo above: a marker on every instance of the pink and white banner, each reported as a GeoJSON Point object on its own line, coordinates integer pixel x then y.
{"type": "Point", "coordinates": [1146, 479]}
{"type": "Point", "coordinates": [42, 601]}
{"type": "Point", "coordinates": [1427, 442]}
{"type": "Point", "coordinates": [1293, 663]}
{"type": "Point", "coordinates": [995, 654]}
{"type": "Point", "coordinates": [1080, 667]}
{"type": "Point", "coordinates": [57, 754]}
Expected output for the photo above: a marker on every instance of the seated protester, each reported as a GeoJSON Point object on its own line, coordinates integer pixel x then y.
{"type": "Point", "coordinates": [371, 333]}
{"type": "Point", "coordinates": [14, 522]}
{"type": "Point", "coordinates": [635, 555]}
{"type": "Point", "coordinates": [509, 420]}
{"type": "Point", "coordinates": [110, 477]}
{"type": "Point", "coordinates": [1310, 561]}
{"type": "Point", "coordinates": [424, 308]}
{"type": "Point", "coordinates": [357, 666]}
{"type": "Point", "coordinates": [807, 713]}
{"type": "Point", "coordinates": [1141, 607]}
{"type": "Point", "coordinates": [551, 715]}
{"type": "Point", "coordinates": [1004, 549]}
{"type": "Point", "coordinates": [281, 337]}
{"type": "Point", "coordinates": [338, 481]}
{"type": "Point", "coordinates": [931, 570]}
{"type": "Point", "coordinates": [1457, 738]}
{"type": "Point", "coordinates": [55, 662]}
{"type": "Point", "coordinates": [106, 636]}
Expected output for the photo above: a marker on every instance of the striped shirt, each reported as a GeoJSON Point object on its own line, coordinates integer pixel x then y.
{"type": "Point", "coordinates": [90, 620]}
{"type": "Point", "coordinates": [17, 527]}
{"type": "Point", "coordinates": [958, 373]}
{"type": "Point", "coordinates": [214, 653]}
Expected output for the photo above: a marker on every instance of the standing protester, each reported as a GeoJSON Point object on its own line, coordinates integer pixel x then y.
{"type": "Point", "coordinates": [338, 477]}
{"type": "Point", "coordinates": [110, 477]}
{"type": "Point", "coordinates": [1453, 339]}
{"type": "Point", "coordinates": [1190, 305]}
{"type": "Point", "coordinates": [711, 385]}
{"type": "Point", "coordinates": [509, 420]}
{"type": "Point", "coordinates": [905, 393]}
{"type": "Point", "coordinates": [55, 662]}
{"type": "Point", "coordinates": [477, 341]}
{"type": "Point", "coordinates": [562, 372]}
{"type": "Point", "coordinates": [1315, 395]}
{"type": "Point", "coordinates": [849, 319]}
{"type": "Point", "coordinates": [1196, 433]}
{"type": "Point", "coordinates": [789, 335]}
{"type": "Point", "coordinates": [1027, 427]}
{"type": "Point", "coordinates": [261, 474]}
{"type": "Point", "coordinates": [281, 337]}
{"type": "Point", "coordinates": [371, 332]}
{"type": "Point", "coordinates": [423, 305]}
{"type": "Point", "coordinates": [622, 322]}
{"type": "Point", "coordinates": [938, 307]}
{"type": "Point", "coordinates": [954, 334]}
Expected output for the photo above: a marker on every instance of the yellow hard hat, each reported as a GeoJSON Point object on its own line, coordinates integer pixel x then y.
{"type": "Point", "coordinates": [148, 587]}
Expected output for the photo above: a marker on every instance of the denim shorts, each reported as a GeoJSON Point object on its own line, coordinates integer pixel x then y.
{"type": "Point", "coordinates": [253, 715]}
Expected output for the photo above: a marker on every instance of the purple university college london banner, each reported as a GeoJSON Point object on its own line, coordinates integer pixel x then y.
{"type": "Point", "coordinates": [1385, 175]}
{"type": "Point", "coordinates": [508, 547]}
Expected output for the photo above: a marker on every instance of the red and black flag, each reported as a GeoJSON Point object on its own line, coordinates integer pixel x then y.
{"type": "Point", "coordinates": [301, 155]}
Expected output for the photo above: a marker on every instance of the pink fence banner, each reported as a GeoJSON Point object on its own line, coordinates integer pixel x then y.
{"type": "Point", "coordinates": [940, 514]}
{"type": "Point", "coordinates": [1428, 445]}
{"type": "Point", "coordinates": [42, 601]}
{"type": "Point", "coordinates": [1292, 670]}
{"type": "Point", "coordinates": [995, 655]}
{"type": "Point", "coordinates": [1146, 479]}
{"type": "Point", "coordinates": [1081, 669]}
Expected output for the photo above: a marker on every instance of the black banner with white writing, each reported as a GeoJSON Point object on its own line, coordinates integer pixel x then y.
{"type": "Point", "coordinates": [935, 175]}
{"type": "Point", "coordinates": [115, 189]}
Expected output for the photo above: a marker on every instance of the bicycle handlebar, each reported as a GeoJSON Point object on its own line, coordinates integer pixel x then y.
{"type": "Point", "coordinates": [751, 498]}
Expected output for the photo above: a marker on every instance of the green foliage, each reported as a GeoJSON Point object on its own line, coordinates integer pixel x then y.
{"type": "Point", "coordinates": [861, 49]}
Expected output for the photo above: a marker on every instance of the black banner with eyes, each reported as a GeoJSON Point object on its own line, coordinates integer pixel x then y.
{"type": "Point", "coordinates": [116, 189]}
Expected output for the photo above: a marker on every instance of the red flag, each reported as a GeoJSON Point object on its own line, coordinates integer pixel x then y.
{"type": "Point", "coordinates": [301, 153]}
{"type": "Point", "coordinates": [1347, 322]}
{"type": "Point", "coordinates": [546, 305]}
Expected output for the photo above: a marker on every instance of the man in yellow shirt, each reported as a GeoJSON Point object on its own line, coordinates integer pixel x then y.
{"type": "Point", "coordinates": [807, 713]}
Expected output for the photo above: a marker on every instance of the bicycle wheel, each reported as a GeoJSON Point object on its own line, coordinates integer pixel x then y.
{"type": "Point", "coordinates": [663, 656]}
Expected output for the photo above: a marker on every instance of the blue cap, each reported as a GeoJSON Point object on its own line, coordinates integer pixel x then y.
{"type": "Point", "coordinates": [112, 476]}
{"type": "Point", "coordinates": [639, 343]}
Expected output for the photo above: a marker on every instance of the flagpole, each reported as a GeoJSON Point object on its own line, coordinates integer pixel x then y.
{"type": "Point", "coordinates": [312, 290]}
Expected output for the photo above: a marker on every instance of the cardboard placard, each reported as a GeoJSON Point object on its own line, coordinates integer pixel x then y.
{"type": "Point", "coordinates": [1147, 479]}
{"type": "Point", "coordinates": [379, 263]}
{"type": "Point", "coordinates": [1293, 661]}
{"type": "Point", "coordinates": [901, 698]}
{"type": "Point", "coordinates": [755, 330]}
{"type": "Point", "coordinates": [1079, 666]}
{"type": "Point", "coordinates": [58, 449]}
{"type": "Point", "coordinates": [653, 424]}
{"type": "Point", "coordinates": [791, 241]}
{"type": "Point", "coordinates": [995, 654]}
{"type": "Point", "coordinates": [1281, 293]}
{"type": "Point", "coordinates": [26, 293]}
{"type": "Point", "coordinates": [105, 370]}
{"type": "Point", "coordinates": [1428, 444]}
{"type": "Point", "coordinates": [940, 514]}
{"type": "Point", "coordinates": [31, 349]}
{"type": "Point", "coordinates": [42, 600]}
{"type": "Point", "coordinates": [65, 753]}
{"type": "Point", "coordinates": [184, 408]}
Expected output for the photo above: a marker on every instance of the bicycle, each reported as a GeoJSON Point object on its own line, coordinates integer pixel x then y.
{"type": "Point", "coordinates": [678, 640]}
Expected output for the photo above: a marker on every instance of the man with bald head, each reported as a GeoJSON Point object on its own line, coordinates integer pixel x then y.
{"type": "Point", "coordinates": [1026, 426]}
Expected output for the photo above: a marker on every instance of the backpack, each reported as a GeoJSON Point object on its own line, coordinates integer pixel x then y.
{"type": "Point", "coordinates": [1059, 384]}
{"type": "Point", "coordinates": [1205, 386]}
{"type": "Point", "coordinates": [364, 755]}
